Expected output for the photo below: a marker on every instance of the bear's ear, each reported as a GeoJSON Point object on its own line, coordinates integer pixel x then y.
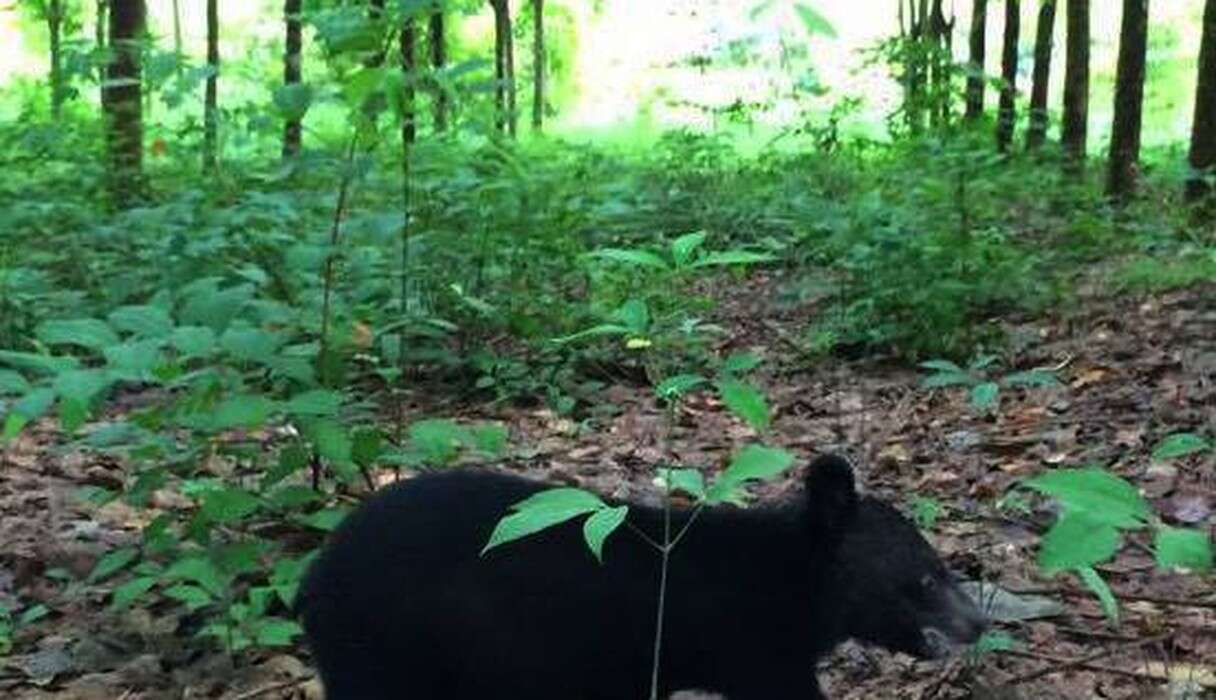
{"type": "Point", "coordinates": [831, 495]}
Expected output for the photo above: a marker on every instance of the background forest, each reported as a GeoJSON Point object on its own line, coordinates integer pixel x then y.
{"type": "Point", "coordinates": [258, 259]}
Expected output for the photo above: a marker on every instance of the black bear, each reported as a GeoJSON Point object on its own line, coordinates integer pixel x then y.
{"type": "Point", "coordinates": [402, 605]}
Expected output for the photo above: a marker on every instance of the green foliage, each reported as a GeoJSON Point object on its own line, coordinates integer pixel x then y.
{"type": "Point", "coordinates": [984, 390]}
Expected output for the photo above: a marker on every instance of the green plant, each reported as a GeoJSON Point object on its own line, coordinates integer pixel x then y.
{"type": "Point", "coordinates": [984, 389]}
{"type": "Point", "coordinates": [1097, 507]}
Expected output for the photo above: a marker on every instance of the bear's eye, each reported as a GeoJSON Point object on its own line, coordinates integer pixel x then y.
{"type": "Point", "coordinates": [928, 582]}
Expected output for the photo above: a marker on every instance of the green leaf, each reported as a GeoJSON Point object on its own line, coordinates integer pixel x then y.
{"type": "Point", "coordinates": [634, 315]}
{"type": "Point", "coordinates": [227, 505]}
{"type": "Point", "coordinates": [12, 383]}
{"type": "Point", "coordinates": [293, 100]}
{"type": "Point", "coordinates": [251, 344]}
{"type": "Point", "coordinates": [752, 463]}
{"type": "Point", "coordinates": [135, 359]}
{"type": "Point", "coordinates": [241, 411]}
{"type": "Point", "coordinates": [318, 402]}
{"type": "Point", "coordinates": [194, 341]}
{"type": "Point", "coordinates": [542, 510]}
{"type": "Point", "coordinates": [82, 385]}
{"type": "Point", "coordinates": [131, 591]}
{"type": "Point", "coordinates": [490, 438]}
{"type": "Point", "coordinates": [200, 570]}
{"type": "Point", "coordinates": [983, 396]}
{"type": "Point", "coordinates": [741, 362]}
{"type": "Point", "coordinates": [943, 366]}
{"type": "Point", "coordinates": [326, 520]}
{"type": "Point", "coordinates": [35, 404]}
{"type": "Point", "coordinates": [595, 331]}
{"type": "Point", "coordinates": [731, 257]}
{"type": "Point", "coordinates": [746, 402]}
{"type": "Point", "coordinates": [601, 524]}
{"type": "Point", "coordinates": [438, 440]}
{"type": "Point", "coordinates": [1183, 548]}
{"type": "Point", "coordinates": [33, 614]}
{"type": "Point", "coordinates": [1106, 597]}
{"type": "Point", "coordinates": [813, 22]}
{"type": "Point", "coordinates": [38, 364]}
{"type": "Point", "coordinates": [1077, 540]}
{"type": "Point", "coordinates": [678, 386]}
{"type": "Point", "coordinates": [88, 333]}
{"type": "Point", "coordinates": [1180, 445]}
{"type": "Point", "coordinates": [112, 562]}
{"type": "Point", "coordinates": [332, 442]}
{"type": "Point", "coordinates": [642, 258]}
{"type": "Point", "coordinates": [142, 321]}
{"type": "Point", "coordinates": [192, 597]}
{"type": "Point", "coordinates": [277, 632]}
{"type": "Point", "coordinates": [690, 481]}
{"type": "Point", "coordinates": [1031, 378]}
{"type": "Point", "coordinates": [684, 247]}
{"type": "Point", "coordinates": [1097, 494]}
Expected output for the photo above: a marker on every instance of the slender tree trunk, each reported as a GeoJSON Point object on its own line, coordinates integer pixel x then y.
{"type": "Point", "coordinates": [502, 29]}
{"type": "Point", "coordinates": [121, 100]}
{"type": "Point", "coordinates": [54, 25]}
{"type": "Point", "coordinates": [1006, 114]}
{"type": "Point", "coordinates": [99, 36]}
{"type": "Point", "coordinates": [438, 60]}
{"type": "Point", "coordinates": [512, 107]}
{"type": "Point", "coordinates": [538, 64]}
{"type": "Point", "coordinates": [177, 33]}
{"type": "Point", "coordinates": [1037, 131]}
{"type": "Point", "coordinates": [1203, 129]}
{"type": "Point", "coordinates": [409, 64]}
{"type": "Point", "coordinates": [940, 65]}
{"type": "Point", "coordinates": [210, 106]}
{"type": "Point", "coordinates": [1129, 101]}
{"type": "Point", "coordinates": [975, 80]}
{"type": "Point", "coordinates": [292, 49]}
{"type": "Point", "coordinates": [1075, 126]}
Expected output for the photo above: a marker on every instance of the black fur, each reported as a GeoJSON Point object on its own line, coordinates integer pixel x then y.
{"type": "Point", "coordinates": [401, 605]}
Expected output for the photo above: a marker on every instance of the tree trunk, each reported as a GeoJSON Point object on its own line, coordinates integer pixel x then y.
{"type": "Point", "coordinates": [1203, 129]}
{"type": "Point", "coordinates": [501, 31]}
{"type": "Point", "coordinates": [99, 36]}
{"type": "Point", "coordinates": [538, 64]}
{"type": "Point", "coordinates": [940, 65]}
{"type": "Point", "coordinates": [54, 25]}
{"type": "Point", "coordinates": [121, 103]}
{"type": "Point", "coordinates": [512, 108]}
{"type": "Point", "coordinates": [975, 80]}
{"type": "Point", "coordinates": [1006, 114]}
{"type": "Point", "coordinates": [210, 106]}
{"type": "Point", "coordinates": [409, 65]}
{"type": "Point", "coordinates": [1075, 126]}
{"type": "Point", "coordinates": [438, 60]}
{"type": "Point", "coordinates": [177, 33]}
{"type": "Point", "coordinates": [1129, 101]}
{"type": "Point", "coordinates": [293, 47]}
{"type": "Point", "coordinates": [1037, 132]}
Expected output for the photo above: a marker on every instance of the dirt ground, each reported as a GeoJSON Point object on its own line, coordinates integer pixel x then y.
{"type": "Point", "coordinates": [1133, 370]}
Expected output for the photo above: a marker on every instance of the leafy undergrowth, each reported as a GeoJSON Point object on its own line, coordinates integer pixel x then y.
{"type": "Point", "coordinates": [1133, 371]}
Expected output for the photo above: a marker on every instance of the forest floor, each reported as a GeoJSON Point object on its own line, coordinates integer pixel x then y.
{"type": "Point", "coordinates": [1132, 372]}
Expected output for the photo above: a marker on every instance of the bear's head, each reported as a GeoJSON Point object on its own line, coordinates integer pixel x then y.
{"type": "Point", "coordinates": [882, 582]}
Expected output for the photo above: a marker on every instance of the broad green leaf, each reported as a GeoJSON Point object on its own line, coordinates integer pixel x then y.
{"type": "Point", "coordinates": [227, 505]}
{"type": "Point", "coordinates": [194, 341]}
{"type": "Point", "coordinates": [251, 344]}
{"type": "Point", "coordinates": [634, 315]}
{"type": "Point", "coordinates": [12, 383]}
{"type": "Point", "coordinates": [142, 321]}
{"type": "Point", "coordinates": [642, 258]}
{"type": "Point", "coordinates": [215, 308]}
{"type": "Point", "coordinates": [39, 364]}
{"type": "Point", "coordinates": [490, 438]}
{"type": "Point", "coordinates": [1031, 378]}
{"type": "Point", "coordinates": [293, 100]}
{"type": "Point", "coordinates": [317, 402]}
{"type": "Point", "coordinates": [540, 511]}
{"type": "Point", "coordinates": [131, 591]}
{"type": "Point", "coordinates": [731, 257]}
{"type": "Point", "coordinates": [1097, 494]}
{"type": "Point", "coordinates": [678, 386]}
{"type": "Point", "coordinates": [690, 481]}
{"type": "Point", "coordinates": [1183, 548]}
{"type": "Point", "coordinates": [1077, 540]}
{"type": "Point", "coordinates": [595, 331]}
{"type": "Point", "coordinates": [944, 379]}
{"type": "Point", "coordinates": [752, 463]}
{"type": "Point", "coordinates": [983, 396]}
{"type": "Point", "coordinates": [741, 362]}
{"type": "Point", "coordinates": [813, 22]}
{"type": "Point", "coordinates": [89, 333]}
{"type": "Point", "coordinates": [34, 404]}
{"type": "Point", "coordinates": [746, 402]}
{"type": "Point", "coordinates": [438, 440]}
{"type": "Point", "coordinates": [685, 247]}
{"type": "Point", "coordinates": [1180, 445]}
{"type": "Point", "coordinates": [72, 414]}
{"type": "Point", "coordinates": [112, 562]}
{"type": "Point", "coordinates": [135, 359]}
{"type": "Point", "coordinates": [82, 385]}
{"type": "Point", "coordinates": [241, 411]}
{"type": "Point", "coordinates": [200, 570]}
{"type": "Point", "coordinates": [192, 597]}
{"type": "Point", "coordinates": [332, 442]}
{"type": "Point", "coordinates": [326, 520]}
{"type": "Point", "coordinates": [601, 524]}
{"type": "Point", "coordinates": [1106, 597]}
{"type": "Point", "coordinates": [277, 632]}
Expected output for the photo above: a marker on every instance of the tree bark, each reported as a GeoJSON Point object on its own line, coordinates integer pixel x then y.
{"type": "Point", "coordinates": [1129, 101]}
{"type": "Point", "coordinates": [538, 64]}
{"type": "Point", "coordinates": [177, 33]}
{"type": "Point", "coordinates": [512, 108]}
{"type": "Point", "coordinates": [975, 81]}
{"type": "Point", "coordinates": [210, 106]}
{"type": "Point", "coordinates": [54, 25]}
{"type": "Point", "coordinates": [502, 30]}
{"type": "Point", "coordinates": [121, 103]}
{"type": "Point", "coordinates": [1037, 132]}
{"type": "Point", "coordinates": [409, 65]}
{"type": "Point", "coordinates": [1075, 126]}
{"type": "Point", "coordinates": [99, 36]}
{"type": "Point", "coordinates": [1203, 128]}
{"type": "Point", "coordinates": [438, 61]}
{"type": "Point", "coordinates": [1006, 114]}
{"type": "Point", "coordinates": [292, 50]}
